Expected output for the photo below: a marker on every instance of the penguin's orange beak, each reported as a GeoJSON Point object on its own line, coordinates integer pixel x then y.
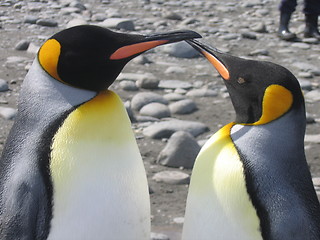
{"type": "Point", "coordinates": [211, 55]}
{"type": "Point", "coordinates": [152, 41]}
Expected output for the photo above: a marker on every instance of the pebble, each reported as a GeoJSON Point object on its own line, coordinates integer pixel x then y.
{"type": "Point", "coordinates": [259, 27]}
{"type": "Point", "coordinates": [174, 96]}
{"type": "Point", "coordinates": [148, 83]}
{"type": "Point", "coordinates": [76, 22]}
{"type": "Point", "coordinates": [173, 16]}
{"type": "Point", "coordinates": [99, 17]}
{"type": "Point", "coordinates": [119, 23]}
{"type": "Point", "coordinates": [172, 177]}
{"type": "Point", "coordinates": [157, 110]}
{"type": "Point", "coordinates": [158, 236]}
{"type": "Point", "coordinates": [249, 35]}
{"type": "Point", "coordinates": [174, 84]}
{"type": "Point", "coordinates": [305, 84]}
{"type": "Point", "coordinates": [230, 36]}
{"type": "Point", "coordinates": [181, 150]}
{"type": "Point", "coordinates": [301, 45]}
{"type": "Point", "coordinates": [8, 113]}
{"type": "Point", "coordinates": [312, 96]}
{"type": "Point", "coordinates": [174, 69]}
{"type": "Point", "coordinates": [185, 106]}
{"type": "Point", "coordinates": [259, 52]}
{"type": "Point", "coordinates": [143, 98]}
{"type": "Point", "coordinates": [3, 85]}
{"type": "Point", "coordinates": [305, 75]}
{"type": "Point", "coordinates": [180, 50]}
{"type": "Point", "coordinates": [30, 19]}
{"type": "Point", "coordinates": [165, 129]}
{"type": "Point", "coordinates": [47, 22]}
{"type": "Point", "coordinates": [128, 85]}
{"type": "Point", "coordinates": [131, 115]}
{"type": "Point", "coordinates": [203, 92]}
{"type": "Point", "coordinates": [33, 49]}
{"type": "Point", "coordinates": [22, 45]}
{"type": "Point", "coordinates": [303, 66]}
{"type": "Point", "coordinates": [135, 76]}
{"type": "Point", "coordinates": [312, 138]}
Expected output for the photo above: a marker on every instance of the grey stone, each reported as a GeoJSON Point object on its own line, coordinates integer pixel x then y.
{"type": "Point", "coordinates": [305, 84]}
{"type": "Point", "coordinates": [312, 96]}
{"type": "Point", "coordinates": [185, 106]}
{"type": "Point", "coordinates": [180, 151]}
{"type": "Point", "coordinates": [69, 10]}
{"type": "Point", "coordinates": [33, 49]}
{"type": "Point", "coordinates": [143, 119]}
{"type": "Point", "coordinates": [135, 76]}
{"type": "Point", "coordinates": [99, 17]}
{"type": "Point", "coordinates": [230, 36]}
{"type": "Point", "coordinates": [30, 19]}
{"type": "Point", "coordinates": [305, 74]}
{"type": "Point", "coordinates": [148, 83]}
{"type": "Point", "coordinates": [128, 85]}
{"type": "Point", "coordinates": [3, 85]}
{"type": "Point", "coordinates": [173, 84]}
{"type": "Point", "coordinates": [174, 97]}
{"type": "Point", "coordinates": [157, 110]}
{"type": "Point", "coordinates": [181, 50]}
{"type": "Point", "coordinates": [165, 129]}
{"type": "Point", "coordinates": [173, 16]}
{"type": "Point", "coordinates": [142, 59]}
{"type": "Point", "coordinates": [158, 236]}
{"type": "Point", "coordinates": [203, 92]}
{"type": "Point", "coordinates": [249, 35]}
{"type": "Point", "coordinates": [76, 22]}
{"type": "Point", "coordinates": [131, 115]}
{"type": "Point", "coordinates": [312, 138]}
{"type": "Point", "coordinates": [301, 45]}
{"type": "Point", "coordinates": [119, 23]}
{"type": "Point", "coordinates": [259, 52]}
{"type": "Point", "coordinates": [47, 22]}
{"type": "Point", "coordinates": [259, 27]}
{"type": "Point", "coordinates": [144, 98]}
{"type": "Point", "coordinates": [174, 69]}
{"type": "Point", "coordinates": [305, 66]}
{"type": "Point", "coordinates": [172, 177]}
{"type": "Point", "coordinates": [8, 113]}
{"type": "Point", "coordinates": [22, 45]}
{"type": "Point", "coordinates": [78, 5]}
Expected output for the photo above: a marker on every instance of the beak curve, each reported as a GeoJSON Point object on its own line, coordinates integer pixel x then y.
{"type": "Point", "coordinates": [151, 41]}
{"type": "Point", "coordinates": [212, 55]}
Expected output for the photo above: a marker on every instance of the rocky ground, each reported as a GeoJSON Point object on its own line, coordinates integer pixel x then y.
{"type": "Point", "coordinates": [169, 89]}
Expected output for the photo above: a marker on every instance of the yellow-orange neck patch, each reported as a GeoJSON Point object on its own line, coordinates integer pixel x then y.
{"type": "Point", "coordinates": [277, 100]}
{"type": "Point", "coordinates": [49, 56]}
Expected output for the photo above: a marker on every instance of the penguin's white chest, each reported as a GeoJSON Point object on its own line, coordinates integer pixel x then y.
{"type": "Point", "coordinates": [99, 182]}
{"type": "Point", "coordinates": [218, 205]}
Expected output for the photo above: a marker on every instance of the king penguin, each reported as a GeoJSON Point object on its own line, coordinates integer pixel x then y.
{"type": "Point", "coordinates": [251, 180]}
{"type": "Point", "coordinates": [71, 168]}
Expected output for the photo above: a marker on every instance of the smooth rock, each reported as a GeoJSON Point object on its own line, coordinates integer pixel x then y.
{"type": "Point", "coordinates": [312, 138]}
{"type": "Point", "coordinates": [181, 151]}
{"type": "Point", "coordinates": [173, 16]}
{"type": "Point", "coordinates": [99, 17]}
{"type": "Point", "coordinates": [165, 129]}
{"type": "Point", "coordinates": [158, 236]}
{"type": "Point", "coordinates": [249, 35]}
{"type": "Point", "coordinates": [128, 85]}
{"type": "Point", "coordinates": [305, 66]}
{"type": "Point", "coordinates": [119, 23]}
{"type": "Point", "coordinates": [76, 22]}
{"type": "Point", "coordinates": [230, 36]}
{"type": "Point", "coordinates": [301, 45]}
{"type": "Point", "coordinates": [181, 50]}
{"type": "Point", "coordinates": [8, 113]}
{"type": "Point", "coordinates": [259, 52]}
{"type": "Point", "coordinates": [47, 23]}
{"type": "Point", "coordinates": [135, 76]}
{"type": "Point", "coordinates": [174, 69]}
{"type": "Point", "coordinates": [305, 84]}
{"type": "Point", "coordinates": [172, 177]}
{"type": "Point", "coordinates": [312, 96]}
{"type": "Point", "coordinates": [259, 27]}
{"type": "Point", "coordinates": [143, 119]}
{"type": "Point", "coordinates": [148, 83]}
{"type": "Point", "coordinates": [78, 5]}
{"type": "Point", "coordinates": [173, 84]}
{"type": "Point", "coordinates": [3, 85]}
{"type": "Point", "coordinates": [174, 97]}
{"type": "Point", "coordinates": [143, 98]}
{"type": "Point", "coordinates": [30, 19]}
{"type": "Point", "coordinates": [185, 106]}
{"type": "Point", "coordinates": [157, 110]}
{"type": "Point", "coordinates": [203, 92]}
{"type": "Point", "coordinates": [131, 115]}
{"type": "Point", "coordinates": [33, 49]}
{"type": "Point", "coordinates": [22, 45]}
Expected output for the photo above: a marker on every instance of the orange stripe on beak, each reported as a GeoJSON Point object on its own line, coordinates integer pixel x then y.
{"type": "Point", "coordinates": [136, 48]}
{"type": "Point", "coordinates": [223, 71]}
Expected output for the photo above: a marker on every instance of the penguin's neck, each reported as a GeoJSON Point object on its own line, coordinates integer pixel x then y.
{"type": "Point", "coordinates": [99, 183]}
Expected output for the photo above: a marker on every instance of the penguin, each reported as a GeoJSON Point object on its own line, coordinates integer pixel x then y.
{"type": "Point", "coordinates": [71, 168]}
{"type": "Point", "coordinates": [251, 180]}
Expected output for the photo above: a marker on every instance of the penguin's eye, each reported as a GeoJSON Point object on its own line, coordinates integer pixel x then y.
{"type": "Point", "coordinates": [241, 80]}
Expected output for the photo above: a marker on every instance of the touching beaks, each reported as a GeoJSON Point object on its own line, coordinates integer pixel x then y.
{"type": "Point", "coordinates": [151, 41]}
{"type": "Point", "coordinates": [211, 54]}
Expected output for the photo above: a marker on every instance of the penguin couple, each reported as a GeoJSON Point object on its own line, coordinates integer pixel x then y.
{"type": "Point", "coordinates": [71, 168]}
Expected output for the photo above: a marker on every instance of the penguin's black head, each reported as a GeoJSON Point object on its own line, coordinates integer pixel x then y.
{"type": "Point", "coordinates": [91, 57]}
{"type": "Point", "coordinates": [260, 91]}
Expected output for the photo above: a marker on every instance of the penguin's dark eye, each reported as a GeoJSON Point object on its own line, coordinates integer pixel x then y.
{"type": "Point", "coordinates": [241, 80]}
